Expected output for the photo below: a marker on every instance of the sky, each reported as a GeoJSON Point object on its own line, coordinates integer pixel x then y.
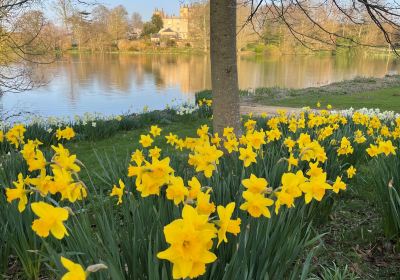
{"type": "Point", "coordinates": [144, 7]}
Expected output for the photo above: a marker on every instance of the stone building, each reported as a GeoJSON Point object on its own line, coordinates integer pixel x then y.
{"type": "Point", "coordinates": [178, 24]}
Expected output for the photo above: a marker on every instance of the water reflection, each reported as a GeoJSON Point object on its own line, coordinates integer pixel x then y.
{"type": "Point", "coordinates": [116, 83]}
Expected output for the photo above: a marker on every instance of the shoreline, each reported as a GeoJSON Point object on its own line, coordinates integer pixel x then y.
{"type": "Point", "coordinates": [244, 52]}
{"type": "Point", "coordinates": [362, 92]}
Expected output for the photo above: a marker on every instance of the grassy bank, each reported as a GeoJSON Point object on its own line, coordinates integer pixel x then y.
{"type": "Point", "coordinates": [382, 93]}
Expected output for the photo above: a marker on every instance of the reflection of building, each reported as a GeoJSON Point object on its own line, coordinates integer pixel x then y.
{"type": "Point", "coordinates": [178, 24]}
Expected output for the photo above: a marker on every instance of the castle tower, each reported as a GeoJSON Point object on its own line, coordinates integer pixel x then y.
{"type": "Point", "coordinates": [184, 12]}
{"type": "Point", "coordinates": [159, 12]}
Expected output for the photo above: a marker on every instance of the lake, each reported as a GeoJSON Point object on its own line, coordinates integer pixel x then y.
{"type": "Point", "coordinates": [120, 83]}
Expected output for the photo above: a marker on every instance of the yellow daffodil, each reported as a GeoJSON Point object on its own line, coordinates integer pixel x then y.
{"type": "Point", "coordinates": [351, 171]}
{"type": "Point", "coordinates": [152, 176]}
{"type": "Point", "coordinates": [19, 193]}
{"type": "Point", "coordinates": [345, 147]}
{"type": "Point", "coordinates": [16, 135]}
{"type": "Point", "coordinates": [33, 156]}
{"type": "Point", "coordinates": [292, 161]}
{"type": "Point", "coordinates": [289, 143]}
{"type": "Point", "coordinates": [118, 191]}
{"type": "Point", "coordinates": [314, 170]}
{"type": "Point", "coordinates": [303, 140]}
{"type": "Point", "coordinates": [146, 141]}
{"type": "Point", "coordinates": [225, 223]}
{"type": "Point", "coordinates": [203, 130]}
{"type": "Point", "coordinates": [75, 271]}
{"type": "Point", "coordinates": [273, 135]}
{"type": "Point", "coordinates": [155, 130]}
{"type": "Point", "coordinates": [50, 220]}
{"type": "Point", "coordinates": [290, 189]}
{"type": "Point", "coordinates": [228, 132]}
{"type": "Point", "coordinates": [315, 188]}
{"type": "Point", "coordinates": [203, 204]}
{"type": "Point", "coordinates": [63, 159]}
{"type": "Point", "coordinates": [359, 137]}
{"type": "Point", "coordinates": [373, 150]}
{"type": "Point", "coordinates": [256, 139]}
{"type": "Point", "coordinates": [189, 239]}
{"type": "Point", "coordinates": [216, 140]}
{"type": "Point", "coordinates": [171, 138]}
{"type": "Point", "coordinates": [338, 185]}
{"type": "Point", "coordinates": [231, 144]}
{"type": "Point", "coordinates": [194, 188]}
{"type": "Point", "coordinates": [205, 159]}
{"type": "Point", "coordinates": [176, 190]}
{"type": "Point", "coordinates": [155, 152]}
{"type": "Point", "coordinates": [387, 148]}
{"type": "Point", "coordinates": [254, 184]}
{"type": "Point", "coordinates": [67, 133]}
{"type": "Point", "coordinates": [137, 157]}
{"type": "Point", "coordinates": [247, 155]}
{"type": "Point", "coordinates": [256, 204]}
{"type": "Point", "coordinates": [250, 125]}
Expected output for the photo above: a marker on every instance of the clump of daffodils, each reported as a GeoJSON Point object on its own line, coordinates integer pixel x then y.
{"type": "Point", "coordinates": [61, 182]}
{"type": "Point", "coordinates": [306, 143]}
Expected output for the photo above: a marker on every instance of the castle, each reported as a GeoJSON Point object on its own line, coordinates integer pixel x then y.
{"type": "Point", "coordinates": [178, 24]}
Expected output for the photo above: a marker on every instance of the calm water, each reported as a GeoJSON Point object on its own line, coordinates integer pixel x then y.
{"type": "Point", "coordinates": [114, 84]}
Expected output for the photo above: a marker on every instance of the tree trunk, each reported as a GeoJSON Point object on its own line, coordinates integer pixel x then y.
{"type": "Point", "coordinates": [224, 76]}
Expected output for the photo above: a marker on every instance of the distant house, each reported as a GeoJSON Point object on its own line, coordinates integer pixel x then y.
{"type": "Point", "coordinates": [178, 24]}
{"type": "Point", "coordinates": [155, 38]}
{"type": "Point", "coordinates": [168, 33]}
{"type": "Point", "coordinates": [163, 35]}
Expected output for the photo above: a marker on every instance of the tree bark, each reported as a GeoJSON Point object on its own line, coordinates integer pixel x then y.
{"type": "Point", "coordinates": [224, 75]}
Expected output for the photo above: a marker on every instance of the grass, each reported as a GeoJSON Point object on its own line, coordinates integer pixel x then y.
{"type": "Point", "coordinates": [124, 143]}
{"type": "Point", "coordinates": [355, 237]}
{"type": "Point", "coordinates": [384, 99]}
{"type": "Point", "coordinates": [382, 93]}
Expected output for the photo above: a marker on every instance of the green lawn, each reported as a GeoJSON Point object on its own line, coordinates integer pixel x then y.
{"type": "Point", "coordinates": [354, 235]}
{"type": "Point", "coordinates": [124, 143]}
{"type": "Point", "coordinates": [384, 99]}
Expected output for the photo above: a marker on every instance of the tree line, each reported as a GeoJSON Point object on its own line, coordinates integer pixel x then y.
{"type": "Point", "coordinates": [99, 28]}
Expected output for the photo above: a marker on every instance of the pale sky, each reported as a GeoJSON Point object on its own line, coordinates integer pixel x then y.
{"type": "Point", "coordinates": [145, 7]}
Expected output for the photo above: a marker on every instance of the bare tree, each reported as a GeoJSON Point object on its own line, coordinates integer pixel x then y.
{"type": "Point", "coordinates": [309, 22]}
{"type": "Point", "coordinates": [64, 11]}
{"type": "Point", "coordinates": [319, 15]}
{"type": "Point", "coordinates": [118, 23]}
{"type": "Point", "coordinates": [224, 75]}
{"type": "Point", "coordinates": [19, 36]}
{"type": "Point", "coordinates": [136, 21]}
{"type": "Point", "coordinates": [24, 42]}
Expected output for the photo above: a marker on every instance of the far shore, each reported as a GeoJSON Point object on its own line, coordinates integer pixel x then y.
{"type": "Point", "coordinates": [242, 52]}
